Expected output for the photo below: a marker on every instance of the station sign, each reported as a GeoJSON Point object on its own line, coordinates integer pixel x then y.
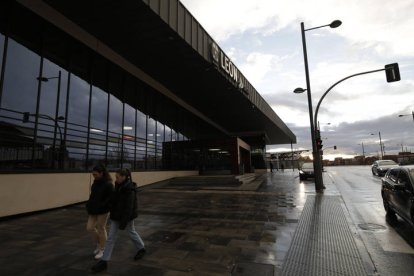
{"type": "Point", "coordinates": [226, 66]}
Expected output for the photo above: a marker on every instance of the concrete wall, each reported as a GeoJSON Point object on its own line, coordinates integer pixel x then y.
{"type": "Point", "coordinates": [23, 193]}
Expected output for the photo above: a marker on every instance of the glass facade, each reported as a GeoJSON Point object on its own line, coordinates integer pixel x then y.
{"type": "Point", "coordinates": [73, 114]}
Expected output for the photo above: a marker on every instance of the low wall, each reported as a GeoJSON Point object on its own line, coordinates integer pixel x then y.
{"type": "Point", "coordinates": [23, 193]}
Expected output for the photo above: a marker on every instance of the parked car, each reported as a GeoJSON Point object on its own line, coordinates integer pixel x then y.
{"type": "Point", "coordinates": [306, 171]}
{"type": "Point", "coordinates": [398, 193]}
{"type": "Point", "coordinates": [380, 167]}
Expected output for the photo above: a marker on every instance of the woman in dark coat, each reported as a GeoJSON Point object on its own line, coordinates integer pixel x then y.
{"type": "Point", "coordinates": [123, 211]}
{"type": "Point", "coordinates": [98, 208]}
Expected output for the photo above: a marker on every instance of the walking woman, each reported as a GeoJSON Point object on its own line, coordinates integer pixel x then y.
{"type": "Point", "coordinates": [123, 211]}
{"type": "Point", "coordinates": [98, 208]}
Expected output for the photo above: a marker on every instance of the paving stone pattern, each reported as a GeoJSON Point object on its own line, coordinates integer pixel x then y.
{"type": "Point", "coordinates": [187, 232]}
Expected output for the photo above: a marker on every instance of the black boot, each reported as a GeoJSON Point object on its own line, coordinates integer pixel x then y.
{"type": "Point", "coordinates": [100, 266]}
{"type": "Point", "coordinates": [140, 254]}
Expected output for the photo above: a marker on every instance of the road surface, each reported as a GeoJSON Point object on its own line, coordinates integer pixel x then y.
{"type": "Point", "coordinates": [390, 246]}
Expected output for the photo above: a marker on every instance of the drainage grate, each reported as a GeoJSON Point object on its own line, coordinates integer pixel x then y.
{"type": "Point", "coordinates": [323, 244]}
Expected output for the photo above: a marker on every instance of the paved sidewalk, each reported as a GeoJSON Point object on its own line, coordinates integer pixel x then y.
{"type": "Point", "coordinates": [186, 231]}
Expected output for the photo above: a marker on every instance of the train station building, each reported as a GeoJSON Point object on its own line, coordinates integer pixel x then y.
{"type": "Point", "coordinates": [135, 84]}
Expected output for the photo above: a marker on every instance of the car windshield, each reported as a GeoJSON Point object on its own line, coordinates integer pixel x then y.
{"type": "Point", "coordinates": [307, 166]}
{"type": "Point", "coordinates": [386, 163]}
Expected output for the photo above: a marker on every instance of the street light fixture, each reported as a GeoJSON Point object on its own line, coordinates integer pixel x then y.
{"type": "Point", "coordinates": [299, 90]}
{"type": "Point", "coordinates": [403, 115]}
{"type": "Point", "coordinates": [315, 151]}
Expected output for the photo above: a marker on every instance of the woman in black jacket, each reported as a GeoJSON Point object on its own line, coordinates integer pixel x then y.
{"type": "Point", "coordinates": [123, 211]}
{"type": "Point", "coordinates": [98, 208]}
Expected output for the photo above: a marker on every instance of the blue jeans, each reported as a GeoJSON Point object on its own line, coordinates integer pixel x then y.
{"type": "Point", "coordinates": [113, 235]}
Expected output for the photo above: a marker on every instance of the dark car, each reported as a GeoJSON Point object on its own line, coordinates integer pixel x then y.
{"type": "Point", "coordinates": [306, 171]}
{"type": "Point", "coordinates": [380, 167]}
{"type": "Point", "coordinates": [398, 193]}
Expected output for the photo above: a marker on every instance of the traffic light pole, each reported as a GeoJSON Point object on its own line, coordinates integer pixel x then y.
{"type": "Point", "coordinates": [392, 73]}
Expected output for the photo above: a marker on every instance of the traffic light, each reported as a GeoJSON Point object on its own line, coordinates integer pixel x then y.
{"type": "Point", "coordinates": [319, 143]}
{"type": "Point", "coordinates": [26, 116]}
{"type": "Point", "coordinates": [392, 72]}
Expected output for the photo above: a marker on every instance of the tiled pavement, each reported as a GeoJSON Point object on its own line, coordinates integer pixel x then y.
{"type": "Point", "coordinates": [187, 232]}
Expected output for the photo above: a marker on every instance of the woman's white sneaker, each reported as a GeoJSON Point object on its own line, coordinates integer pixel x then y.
{"type": "Point", "coordinates": [99, 255]}
{"type": "Point", "coordinates": [96, 251]}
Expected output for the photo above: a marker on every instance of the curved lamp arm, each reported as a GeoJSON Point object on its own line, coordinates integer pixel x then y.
{"type": "Point", "coordinates": [335, 84]}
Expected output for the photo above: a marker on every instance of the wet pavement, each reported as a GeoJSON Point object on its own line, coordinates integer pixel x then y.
{"type": "Point", "coordinates": [190, 231]}
{"type": "Point", "coordinates": [186, 231]}
{"type": "Point", "coordinates": [390, 245]}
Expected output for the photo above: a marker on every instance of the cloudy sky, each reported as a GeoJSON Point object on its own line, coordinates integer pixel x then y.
{"type": "Point", "coordinates": [263, 39]}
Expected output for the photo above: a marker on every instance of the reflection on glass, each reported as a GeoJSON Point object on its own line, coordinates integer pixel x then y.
{"type": "Point", "coordinates": [1, 48]}
{"type": "Point", "coordinates": [97, 135]}
{"type": "Point", "coordinates": [77, 129]}
{"type": "Point", "coordinates": [115, 150]}
{"type": "Point", "coordinates": [19, 95]}
{"type": "Point", "coordinates": [167, 137]}
{"type": "Point", "coordinates": [121, 136]}
{"type": "Point", "coordinates": [51, 107]}
{"type": "Point", "coordinates": [20, 83]}
{"type": "Point", "coordinates": [151, 144]}
{"type": "Point", "coordinates": [129, 137]}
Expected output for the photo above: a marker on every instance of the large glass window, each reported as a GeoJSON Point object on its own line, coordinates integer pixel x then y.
{"type": "Point", "coordinates": [160, 141]}
{"type": "Point", "coordinates": [97, 135]}
{"type": "Point", "coordinates": [51, 114]}
{"type": "Point", "coordinates": [129, 139]}
{"type": "Point", "coordinates": [20, 79]}
{"type": "Point", "coordinates": [115, 151]}
{"type": "Point", "coordinates": [17, 141]}
{"type": "Point", "coordinates": [2, 40]}
{"type": "Point", "coordinates": [141, 125]}
{"type": "Point", "coordinates": [77, 122]}
{"type": "Point", "coordinates": [151, 143]}
{"type": "Point", "coordinates": [167, 137]}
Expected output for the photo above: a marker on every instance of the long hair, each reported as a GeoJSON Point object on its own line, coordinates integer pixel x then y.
{"type": "Point", "coordinates": [105, 174]}
{"type": "Point", "coordinates": [125, 172]}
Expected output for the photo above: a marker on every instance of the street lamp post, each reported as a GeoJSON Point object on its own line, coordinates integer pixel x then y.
{"type": "Point", "coordinates": [316, 162]}
{"type": "Point", "coordinates": [363, 152]}
{"type": "Point", "coordinates": [380, 144]}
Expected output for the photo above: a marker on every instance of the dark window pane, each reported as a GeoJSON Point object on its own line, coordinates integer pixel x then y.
{"type": "Point", "coordinates": [141, 125]}
{"type": "Point", "coordinates": [19, 95]}
{"type": "Point", "coordinates": [97, 138]}
{"type": "Point", "coordinates": [160, 140]}
{"type": "Point", "coordinates": [129, 137]}
{"type": "Point", "coordinates": [167, 134]}
{"type": "Point", "coordinates": [140, 151]}
{"type": "Point", "coordinates": [151, 129]}
{"type": "Point", "coordinates": [1, 49]}
{"type": "Point", "coordinates": [160, 132]}
{"type": "Point", "coordinates": [20, 83]}
{"type": "Point", "coordinates": [151, 144]}
{"type": "Point", "coordinates": [77, 129]}
{"type": "Point", "coordinates": [49, 134]}
{"type": "Point", "coordinates": [115, 152]}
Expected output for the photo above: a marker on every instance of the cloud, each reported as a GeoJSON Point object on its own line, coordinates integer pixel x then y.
{"type": "Point", "coordinates": [258, 65]}
{"type": "Point", "coordinates": [385, 27]}
{"type": "Point", "coordinates": [348, 137]}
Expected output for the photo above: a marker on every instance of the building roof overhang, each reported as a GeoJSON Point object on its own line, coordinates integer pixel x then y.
{"type": "Point", "coordinates": [164, 40]}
